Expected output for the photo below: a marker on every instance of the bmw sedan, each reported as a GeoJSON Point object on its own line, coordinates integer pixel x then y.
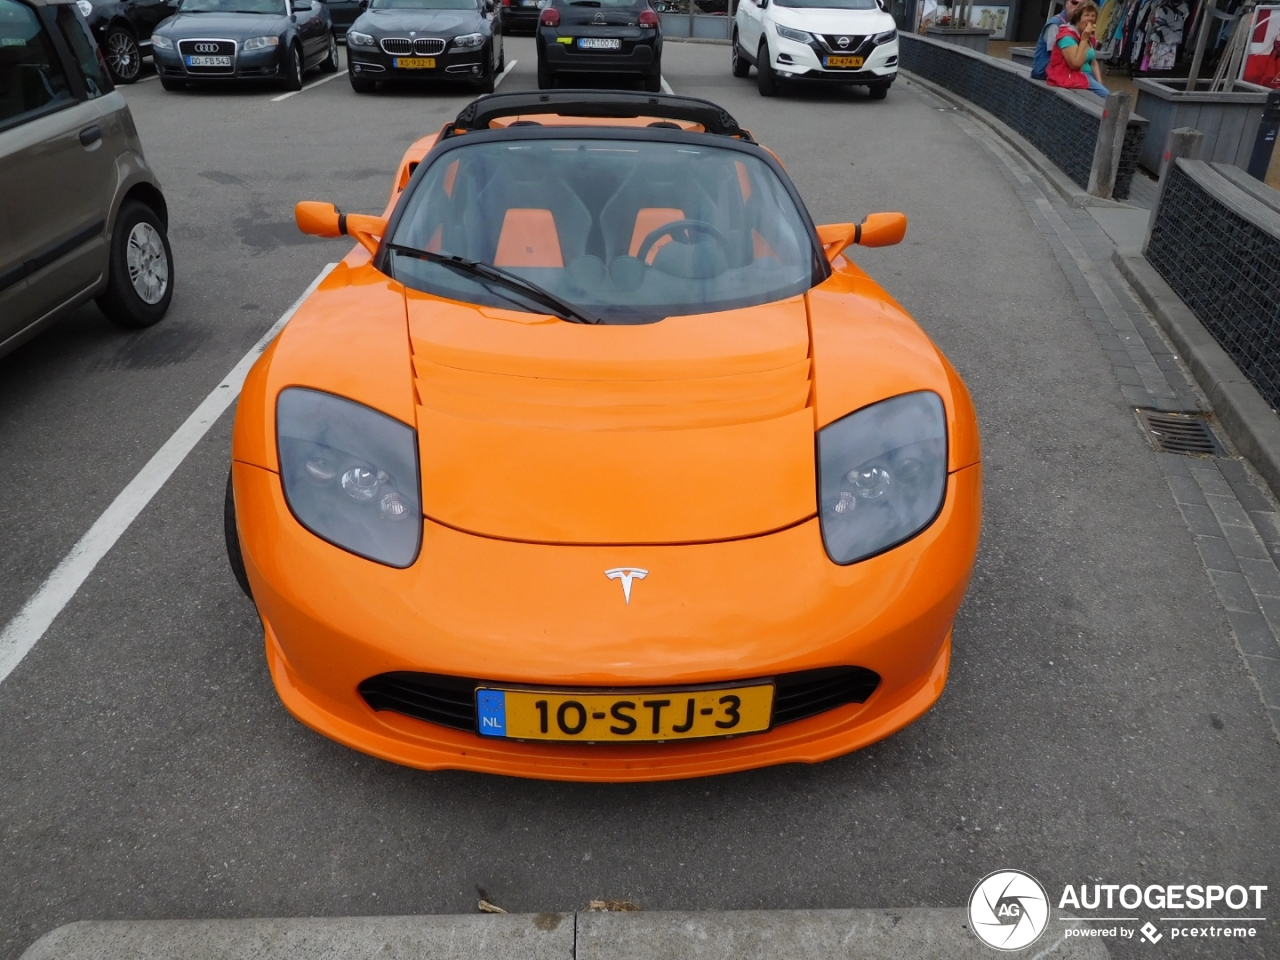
{"type": "Point", "coordinates": [426, 40]}
{"type": "Point", "coordinates": [244, 40]}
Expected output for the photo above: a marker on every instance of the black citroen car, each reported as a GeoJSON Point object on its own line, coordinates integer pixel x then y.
{"type": "Point", "coordinates": [218, 40]}
{"type": "Point", "coordinates": [600, 36]}
{"type": "Point", "coordinates": [426, 40]}
{"type": "Point", "coordinates": [123, 31]}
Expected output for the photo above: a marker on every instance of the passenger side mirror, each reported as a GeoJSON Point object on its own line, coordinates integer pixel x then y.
{"type": "Point", "coordinates": [877, 230]}
{"type": "Point", "coordinates": [325, 220]}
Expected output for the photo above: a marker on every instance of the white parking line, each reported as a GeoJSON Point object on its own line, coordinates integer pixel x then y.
{"type": "Point", "coordinates": [37, 614]}
{"type": "Point", "coordinates": [503, 75]}
{"type": "Point", "coordinates": [666, 87]}
{"type": "Point", "coordinates": [309, 86]}
{"type": "Point", "coordinates": [154, 76]}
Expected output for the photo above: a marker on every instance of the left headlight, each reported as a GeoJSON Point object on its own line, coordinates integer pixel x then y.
{"type": "Point", "coordinates": [161, 43]}
{"type": "Point", "coordinates": [468, 41]}
{"type": "Point", "coordinates": [357, 39]}
{"type": "Point", "coordinates": [799, 36]}
{"type": "Point", "coordinates": [882, 475]}
{"type": "Point", "coordinates": [350, 474]}
{"type": "Point", "coordinates": [258, 43]}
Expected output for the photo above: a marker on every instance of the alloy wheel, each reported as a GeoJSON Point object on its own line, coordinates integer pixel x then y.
{"type": "Point", "coordinates": [123, 56]}
{"type": "Point", "coordinates": [147, 262]}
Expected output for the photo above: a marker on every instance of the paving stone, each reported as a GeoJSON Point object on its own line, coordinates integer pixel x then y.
{"type": "Point", "coordinates": [1186, 490]}
{"type": "Point", "coordinates": [1174, 465]}
{"type": "Point", "coordinates": [1233, 591]}
{"type": "Point", "coordinates": [1202, 521]}
{"type": "Point", "coordinates": [1135, 395]}
{"type": "Point", "coordinates": [1266, 670]}
{"type": "Point", "coordinates": [1262, 575]}
{"type": "Point", "coordinates": [1217, 554]}
{"type": "Point", "coordinates": [1271, 610]}
{"type": "Point", "coordinates": [1225, 507]}
{"type": "Point", "coordinates": [1254, 634]}
{"type": "Point", "coordinates": [1245, 542]}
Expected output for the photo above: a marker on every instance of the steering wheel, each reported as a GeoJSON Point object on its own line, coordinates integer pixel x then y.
{"type": "Point", "coordinates": [682, 231]}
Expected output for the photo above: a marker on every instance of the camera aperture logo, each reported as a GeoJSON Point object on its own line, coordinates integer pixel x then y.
{"type": "Point", "coordinates": [1008, 910]}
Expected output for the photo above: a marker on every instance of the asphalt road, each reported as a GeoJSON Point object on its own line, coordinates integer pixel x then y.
{"type": "Point", "coordinates": [1098, 724]}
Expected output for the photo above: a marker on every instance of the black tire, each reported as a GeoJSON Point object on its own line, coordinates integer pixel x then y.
{"type": "Point", "coordinates": [330, 63]}
{"type": "Point", "coordinates": [879, 91]}
{"type": "Point", "coordinates": [653, 81]}
{"type": "Point", "coordinates": [741, 65]}
{"type": "Point", "coordinates": [232, 535]}
{"type": "Point", "coordinates": [362, 84]}
{"type": "Point", "coordinates": [502, 58]}
{"type": "Point", "coordinates": [766, 79]}
{"type": "Point", "coordinates": [123, 56]}
{"type": "Point", "coordinates": [293, 69]}
{"type": "Point", "coordinates": [546, 79]}
{"type": "Point", "coordinates": [173, 84]}
{"type": "Point", "coordinates": [138, 293]}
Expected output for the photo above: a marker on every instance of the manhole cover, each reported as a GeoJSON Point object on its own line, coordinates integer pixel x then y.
{"type": "Point", "coordinates": [1180, 433]}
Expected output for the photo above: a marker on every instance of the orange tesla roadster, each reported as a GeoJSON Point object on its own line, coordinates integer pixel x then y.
{"type": "Point", "coordinates": [596, 460]}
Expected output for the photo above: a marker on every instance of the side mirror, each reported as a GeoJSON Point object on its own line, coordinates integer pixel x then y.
{"type": "Point", "coordinates": [325, 220]}
{"type": "Point", "coordinates": [878, 230]}
{"type": "Point", "coordinates": [763, 3]}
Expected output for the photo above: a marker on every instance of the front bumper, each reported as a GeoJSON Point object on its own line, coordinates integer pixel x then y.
{"type": "Point", "coordinates": [635, 56]}
{"type": "Point", "coordinates": [372, 64]}
{"type": "Point", "coordinates": [268, 62]}
{"type": "Point", "coordinates": [539, 614]}
{"type": "Point", "coordinates": [801, 61]}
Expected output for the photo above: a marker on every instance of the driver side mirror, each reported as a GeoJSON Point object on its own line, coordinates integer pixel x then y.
{"type": "Point", "coordinates": [325, 220]}
{"type": "Point", "coordinates": [877, 230]}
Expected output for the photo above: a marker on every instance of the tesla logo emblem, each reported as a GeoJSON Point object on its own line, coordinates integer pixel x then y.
{"type": "Point", "coordinates": [206, 48]}
{"type": "Point", "coordinates": [599, 18]}
{"type": "Point", "coordinates": [842, 42]}
{"type": "Point", "coordinates": [626, 575]}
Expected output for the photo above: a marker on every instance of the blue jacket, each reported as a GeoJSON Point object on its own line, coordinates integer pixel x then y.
{"type": "Point", "coordinates": [1041, 61]}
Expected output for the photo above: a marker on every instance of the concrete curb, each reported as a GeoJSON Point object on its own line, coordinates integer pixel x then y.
{"type": "Point", "coordinates": [1250, 422]}
{"type": "Point", "coordinates": [1068, 188]}
{"type": "Point", "coordinates": [915, 933]}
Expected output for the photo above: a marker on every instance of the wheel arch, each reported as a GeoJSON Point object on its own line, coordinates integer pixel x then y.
{"type": "Point", "coordinates": [149, 195]}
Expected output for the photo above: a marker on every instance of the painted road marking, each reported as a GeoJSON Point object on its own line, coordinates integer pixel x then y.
{"type": "Point", "coordinates": [503, 75]}
{"type": "Point", "coordinates": [24, 631]}
{"type": "Point", "coordinates": [666, 87]}
{"type": "Point", "coordinates": [309, 86]}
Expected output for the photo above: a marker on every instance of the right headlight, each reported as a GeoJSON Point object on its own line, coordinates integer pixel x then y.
{"type": "Point", "coordinates": [799, 36]}
{"type": "Point", "coordinates": [882, 475]}
{"type": "Point", "coordinates": [259, 43]}
{"type": "Point", "coordinates": [357, 39]}
{"type": "Point", "coordinates": [161, 43]}
{"type": "Point", "coordinates": [350, 474]}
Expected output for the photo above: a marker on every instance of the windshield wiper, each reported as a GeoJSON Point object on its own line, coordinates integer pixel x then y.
{"type": "Point", "coordinates": [561, 308]}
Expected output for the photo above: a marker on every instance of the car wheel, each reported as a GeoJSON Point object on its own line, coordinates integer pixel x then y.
{"type": "Point", "coordinates": [173, 84]}
{"type": "Point", "coordinates": [232, 535]}
{"type": "Point", "coordinates": [124, 58]}
{"type": "Point", "coordinates": [879, 91]}
{"type": "Point", "coordinates": [502, 58]}
{"type": "Point", "coordinates": [741, 66]}
{"type": "Point", "coordinates": [140, 269]}
{"type": "Point", "coordinates": [330, 63]}
{"type": "Point", "coordinates": [362, 85]}
{"type": "Point", "coordinates": [293, 70]}
{"type": "Point", "coordinates": [546, 79]}
{"type": "Point", "coordinates": [653, 81]}
{"type": "Point", "coordinates": [766, 79]}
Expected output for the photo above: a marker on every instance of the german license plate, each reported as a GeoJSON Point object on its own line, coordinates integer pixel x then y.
{"type": "Point", "coordinates": [844, 62]}
{"type": "Point", "coordinates": [208, 61]}
{"type": "Point", "coordinates": [599, 43]}
{"type": "Point", "coordinates": [415, 63]}
{"type": "Point", "coordinates": [627, 717]}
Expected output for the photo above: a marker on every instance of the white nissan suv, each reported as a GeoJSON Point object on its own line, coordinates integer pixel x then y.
{"type": "Point", "coordinates": [840, 41]}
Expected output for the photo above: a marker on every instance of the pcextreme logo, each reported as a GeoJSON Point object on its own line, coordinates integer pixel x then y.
{"type": "Point", "coordinates": [1008, 910]}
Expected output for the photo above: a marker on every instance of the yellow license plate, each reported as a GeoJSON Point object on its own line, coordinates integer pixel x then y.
{"type": "Point", "coordinates": [415, 63]}
{"type": "Point", "coordinates": [854, 62]}
{"type": "Point", "coordinates": [628, 716]}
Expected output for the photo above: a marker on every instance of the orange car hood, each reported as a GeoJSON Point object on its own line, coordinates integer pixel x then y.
{"type": "Point", "coordinates": [693, 429]}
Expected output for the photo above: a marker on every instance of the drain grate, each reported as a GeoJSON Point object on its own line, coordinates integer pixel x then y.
{"type": "Point", "coordinates": [1180, 433]}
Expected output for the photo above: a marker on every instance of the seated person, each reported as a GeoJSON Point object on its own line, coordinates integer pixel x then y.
{"type": "Point", "coordinates": [1073, 63]}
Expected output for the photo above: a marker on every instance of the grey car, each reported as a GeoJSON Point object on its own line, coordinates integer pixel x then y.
{"type": "Point", "coordinates": [81, 214]}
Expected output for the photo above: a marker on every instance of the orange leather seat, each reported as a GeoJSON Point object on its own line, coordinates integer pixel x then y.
{"type": "Point", "coordinates": [528, 239]}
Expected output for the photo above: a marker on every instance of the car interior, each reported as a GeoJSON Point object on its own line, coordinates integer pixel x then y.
{"type": "Point", "coordinates": [30, 75]}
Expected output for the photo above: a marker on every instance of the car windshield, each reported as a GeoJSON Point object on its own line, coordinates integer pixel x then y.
{"type": "Point", "coordinates": [234, 6]}
{"type": "Point", "coordinates": [830, 4]}
{"type": "Point", "coordinates": [627, 231]}
{"type": "Point", "coordinates": [424, 5]}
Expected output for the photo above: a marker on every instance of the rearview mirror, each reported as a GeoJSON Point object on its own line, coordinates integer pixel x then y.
{"type": "Point", "coordinates": [325, 220]}
{"type": "Point", "coordinates": [877, 230]}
